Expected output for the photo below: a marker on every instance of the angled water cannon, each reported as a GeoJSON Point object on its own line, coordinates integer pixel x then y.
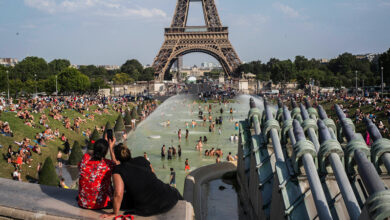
{"type": "Point", "coordinates": [271, 129]}
{"type": "Point", "coordinates": [342, 120]}
{"type": "Point", "coordinates": [305, 154]}
{"type": "Point", "coordinates": [254, 117]}
{"type": "Point", "coordinates": [296, 111]}
{"type": "Point", "coordinates": [279, 113]}
{"type": "Point", "coordinates": [312, 111]}
{"type": "Point", "coordinates": [329, 123]}
{"type": "Point", "coordinates": [287, 130]}
{"type": "Point", "coordinates": [377, 205]}
{"type": "Point", "coordinates": [354, 142]}
{"type": "Point", "coordinates": [380, 149]}
{"type": "Point", "coordinates": [260, 161]}
{"type": "Point", "coordinates": [310, 127]}
{"type": "Point", "coordinates": [332, 153]}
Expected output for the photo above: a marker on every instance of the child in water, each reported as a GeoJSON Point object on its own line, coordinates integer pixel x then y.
{"type": "Point", "coordinates": [187, 165]}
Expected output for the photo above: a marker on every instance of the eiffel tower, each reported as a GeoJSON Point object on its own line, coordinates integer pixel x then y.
{"type": "Point", "coordinates": [180, 39]}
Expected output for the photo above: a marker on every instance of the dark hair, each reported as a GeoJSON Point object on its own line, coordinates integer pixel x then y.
{"type": "Point", "coordinates": [100, 149]}
{"type": "Point", "coordinates": [122, 153]}
{"type": "Point", "coordinates": [171, 169]}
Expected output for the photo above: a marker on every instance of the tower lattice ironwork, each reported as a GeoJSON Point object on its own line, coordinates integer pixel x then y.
{"type": "Point", "coordinates": [180, 39]}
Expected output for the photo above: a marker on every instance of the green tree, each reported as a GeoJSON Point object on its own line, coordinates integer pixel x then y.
{"type": "Point", "coordinates": [29, 67]}
{"type": "Point", "coordinates": [346, 66]}
{"type": "Point", "coordinates": [134, 114]}
{"type": "Point", "coordinates": [49, 85]}
{"type": "Point", "coordinates": [76, 155]}
{"type": "Point", "coordinates": [48, 175]}
{"type": "Point", "coordinates": [72, 80]}
{"type": "Point", "coordinates": [122, 78]}
{"type": "Point", "coordinates": [119, 124]}
{"type": "Point", "coordinates": [147, 75]}
{"type": "Point", "coordinates": [16, 87]}
{"type": "Point", "coordinates": [94, 72]}
{"type": "Point", "coordinates": [127, 118]}
{"type": "Point", "coordinates": [132, 67]}
{"type": "Point", "coordinates": [95, 136]}
{"type": "Point", "coordinates": [29, 86]}
{"type": "Point", "coordinates": [214, 73]}
{"type": "Point", "coordinates": [107, 127]}
{"type": "Point", "coordinates": [98, 83]}
{"type": "Point", "coordinates": [139, 110]}
{"type": "Point", "coordinates": [384, 61]}
{"type": "Point", "coordinates": [305, 76]}
{"type": "Point", "coordinates": [58, 65]}
{"type": "Point", "coordinates": [3, 78]}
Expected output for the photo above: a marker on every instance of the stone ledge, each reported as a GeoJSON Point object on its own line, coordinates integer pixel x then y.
{"type": "Point", "coordinates": [193, 192]}
{"type": "Point", "coordinates": [20, 200]}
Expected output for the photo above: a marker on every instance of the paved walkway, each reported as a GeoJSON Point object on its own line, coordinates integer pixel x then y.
{"type": "Point", "coordinates": [63, 172]}
{"type": "Point", "coordinates": [32, 201]}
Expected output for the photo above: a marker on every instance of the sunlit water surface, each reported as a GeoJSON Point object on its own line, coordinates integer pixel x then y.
{"type": "Point", "coordinates": [152, 133]}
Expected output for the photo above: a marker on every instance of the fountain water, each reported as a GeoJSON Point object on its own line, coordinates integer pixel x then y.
{"type": "Point", "coordinates": [153, 132]}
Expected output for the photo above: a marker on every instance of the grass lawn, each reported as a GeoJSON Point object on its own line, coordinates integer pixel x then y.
{"type": "Point", "coordinates": [360, 127]}
{"type": "Point", "coordinates": [20, 130]}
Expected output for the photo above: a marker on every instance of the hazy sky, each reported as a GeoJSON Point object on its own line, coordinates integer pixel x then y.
{"type": "Point", "coordinates": [112, 31]}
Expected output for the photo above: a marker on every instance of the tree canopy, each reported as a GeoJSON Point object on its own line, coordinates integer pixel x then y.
{"type": "Point", "coordinates": [384, 61]}
{"type": "Point", "coordinates": [340, 71]}
{"type": "Point", "coordinates": [58, 65]}
{"type": "Point", "coordinates": [133, 68]}
{"type": "Point", "coordinates": [29, 68]}
{"type": "Point", "coordinates": [72, 80]}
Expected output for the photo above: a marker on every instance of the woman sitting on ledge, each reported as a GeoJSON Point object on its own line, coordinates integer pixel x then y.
{"type": "Point", "coordinates": [137, 189]}
{"type": "Point", "coordinates": [95, 188]}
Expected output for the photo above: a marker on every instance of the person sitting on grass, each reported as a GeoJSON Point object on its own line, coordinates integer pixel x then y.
{"type": "Point", "coordinates": [137, 189]}
{"type": "Point", "coordinates": [19, 161]}
{"type": "Point", "coordinates": [6, 130]}
{"type": "Point", "coordinates": [95, 171]}
{"type": "Point", "coordinates": [63, 138]}
{"type": "Point", "coordinates": [16, 175]}
{"type": "Point", "coordinates": [37, 149]}
{"type": "Point", "coordinates": [9, 155]}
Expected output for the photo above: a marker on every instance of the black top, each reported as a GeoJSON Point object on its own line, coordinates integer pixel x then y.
{"type": "Point", "coordinates": [145, 193]}
{"type": "Point", "coordinates": [173, 174]}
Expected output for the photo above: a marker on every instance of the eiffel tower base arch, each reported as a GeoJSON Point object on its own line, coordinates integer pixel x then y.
{"type": "Point", "coordinates": [180, 39]}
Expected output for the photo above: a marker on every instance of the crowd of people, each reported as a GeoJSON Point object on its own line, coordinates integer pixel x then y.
{"type": "Point", "coordinates": [49, 108]}
{"type": "Point", "coordinates": [171, 152]}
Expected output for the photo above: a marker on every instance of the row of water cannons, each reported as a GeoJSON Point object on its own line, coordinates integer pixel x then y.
{"type": "Point", "coordinates": [329, 150]}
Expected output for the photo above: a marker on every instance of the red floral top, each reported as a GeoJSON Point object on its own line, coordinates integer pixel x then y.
{"type": "Point", "coordinates": [95, 187]}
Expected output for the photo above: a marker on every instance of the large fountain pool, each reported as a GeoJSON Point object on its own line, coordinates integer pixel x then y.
{"type": "Point", "coordinates": [153, 132]}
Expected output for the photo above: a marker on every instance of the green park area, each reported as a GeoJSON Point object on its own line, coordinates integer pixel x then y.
{"type": "Point", "coordinates": [21, 130]}
{"type": "Point", "coordinates": [353, 107]}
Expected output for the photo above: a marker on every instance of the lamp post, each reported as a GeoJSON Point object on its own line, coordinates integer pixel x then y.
{"type": "Point", "coordinates": [382, 80]}
{"type": "Point", "coordinates": [56, 86]}
{"type": "Point", "coordinates": [36, 90]}
{"type": "Point", "coordinates": [8, 84]}
{"type": "Point", "coordinates": [356, 83]}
